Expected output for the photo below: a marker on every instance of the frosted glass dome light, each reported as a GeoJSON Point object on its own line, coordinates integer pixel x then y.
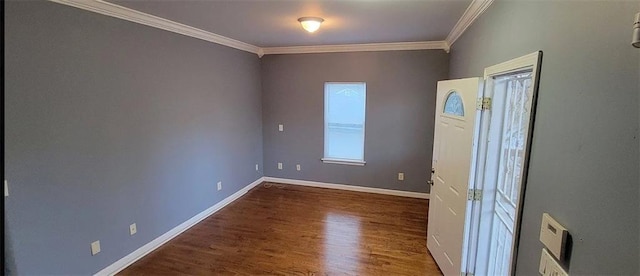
{"type": "Point", "coordinates": [311, 24]}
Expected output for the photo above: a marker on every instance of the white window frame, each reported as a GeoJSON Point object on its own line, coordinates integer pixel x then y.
{"type": "Point", "coordinates": [329, 160]}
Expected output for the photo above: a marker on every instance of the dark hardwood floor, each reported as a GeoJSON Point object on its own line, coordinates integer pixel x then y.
{"type": "Point", "coordinates": [280, 229]}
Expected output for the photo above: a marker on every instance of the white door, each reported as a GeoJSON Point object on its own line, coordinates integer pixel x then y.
{"type": "Point", "coordinates": [454, 154]}
{"type": "Point", "coordinates": [504, 153]}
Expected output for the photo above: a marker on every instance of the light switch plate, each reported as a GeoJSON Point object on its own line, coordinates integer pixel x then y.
{"type": "Point", "coordinates": [256, 167]}
{"type": "Point", "coordinates": [553, 236]}
{"type": "Point", "coordinates": [280, 128]}
{"type": "Point", "coordinates": [549, 266]}
{"type": "Point", "coordinates": [95, 247]}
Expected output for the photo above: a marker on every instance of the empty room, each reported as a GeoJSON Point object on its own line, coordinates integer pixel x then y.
{"type": "Point", "coordinates": [300, 137]}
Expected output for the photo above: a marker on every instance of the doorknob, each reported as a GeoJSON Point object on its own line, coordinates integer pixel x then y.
{"type": "Point", "coordinates": [430, 181]}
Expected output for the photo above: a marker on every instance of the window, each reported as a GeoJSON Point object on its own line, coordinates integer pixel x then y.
{"type": "Point", "coordinates": [453, 104]}
{"type": "Point", "coordinates": [344, 116]}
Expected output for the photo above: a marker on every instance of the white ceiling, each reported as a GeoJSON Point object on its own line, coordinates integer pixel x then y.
{"type": "Point", "coordinates": [273, 23]}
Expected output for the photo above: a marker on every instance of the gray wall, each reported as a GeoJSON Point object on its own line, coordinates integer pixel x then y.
{"type": "Point", "coordinates": [584, 158]}
{"type": "Point", "coordinates": [401, 87]}
{"type": "Point", "coordinates": [109, 123]}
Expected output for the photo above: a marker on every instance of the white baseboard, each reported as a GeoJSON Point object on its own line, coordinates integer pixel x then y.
{"type": "Point", "coordinates": [347, 187]}
{"type": "Point", "coordinates": [159, 241]}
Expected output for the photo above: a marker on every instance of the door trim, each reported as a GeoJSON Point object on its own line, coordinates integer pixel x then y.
{"type": "Point", "coordinates": [532, 61]}
{"type": "Point", "coordinates": [515, 65]}
{"type": "Point", "coordinates": [478, 264]}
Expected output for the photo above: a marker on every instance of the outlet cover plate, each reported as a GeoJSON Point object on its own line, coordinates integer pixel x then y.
{"type": "Point", "coordinates": [95, 248]}
{"type": "Point", "coordinates": [133, 229]}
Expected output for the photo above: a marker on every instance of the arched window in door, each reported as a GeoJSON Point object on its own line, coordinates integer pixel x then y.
{"type": "Point", "coordinates": [453, 105]}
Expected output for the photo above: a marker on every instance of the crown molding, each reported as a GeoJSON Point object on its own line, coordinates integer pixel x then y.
{"type": "Point", "coordinates": [475, 9]}
{"type": "Point", "coordinates": [395, 46]}
{"type": "Point", "coordinates": [110, 9]}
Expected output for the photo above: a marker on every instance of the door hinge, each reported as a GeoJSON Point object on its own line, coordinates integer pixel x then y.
{"type": "Point", "coordinates": [483, 104]}
{"type": "Point", "coordinates": [474, 195]}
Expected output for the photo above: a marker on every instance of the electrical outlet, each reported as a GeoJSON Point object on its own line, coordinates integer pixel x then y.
{"type": "Point", "coordinates": [400, 176]}
{"type": "Point", "coordinates": [133, 229]}
{"type": "Point", "coordinates": [219, 185]}
{"type": "Point", "coordinates": [95, 247]}
{"type": "Point", "coordinates": [256, 167]}
{"type": "Point", "coordinates": [298, 167]}
{"type": "Point", "coordinates": [279, 166]}
{"type": "Point", "coordinates": [6, 188]}
{"type": "Point", "coordinates": [280, 128]}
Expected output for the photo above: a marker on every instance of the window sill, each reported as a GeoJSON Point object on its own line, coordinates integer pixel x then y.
{"type": "Point", "coordinates": [343, 162]}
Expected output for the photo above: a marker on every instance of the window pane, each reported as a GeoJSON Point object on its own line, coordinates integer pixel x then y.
{"type": "Point", "coordinates": [344, 120]}
{"type": "Point", "coordinates": [453, 104]}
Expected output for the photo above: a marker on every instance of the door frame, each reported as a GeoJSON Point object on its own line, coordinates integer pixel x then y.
{"type": "Point", "coordinates": [481, 229]}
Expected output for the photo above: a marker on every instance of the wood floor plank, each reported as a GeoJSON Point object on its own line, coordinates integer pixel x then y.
{"type": "Point", "coordinates": [278, 229]}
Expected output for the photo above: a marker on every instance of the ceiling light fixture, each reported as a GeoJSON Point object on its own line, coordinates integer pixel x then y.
{"type": "Point", "coordinates": [311, 24]}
